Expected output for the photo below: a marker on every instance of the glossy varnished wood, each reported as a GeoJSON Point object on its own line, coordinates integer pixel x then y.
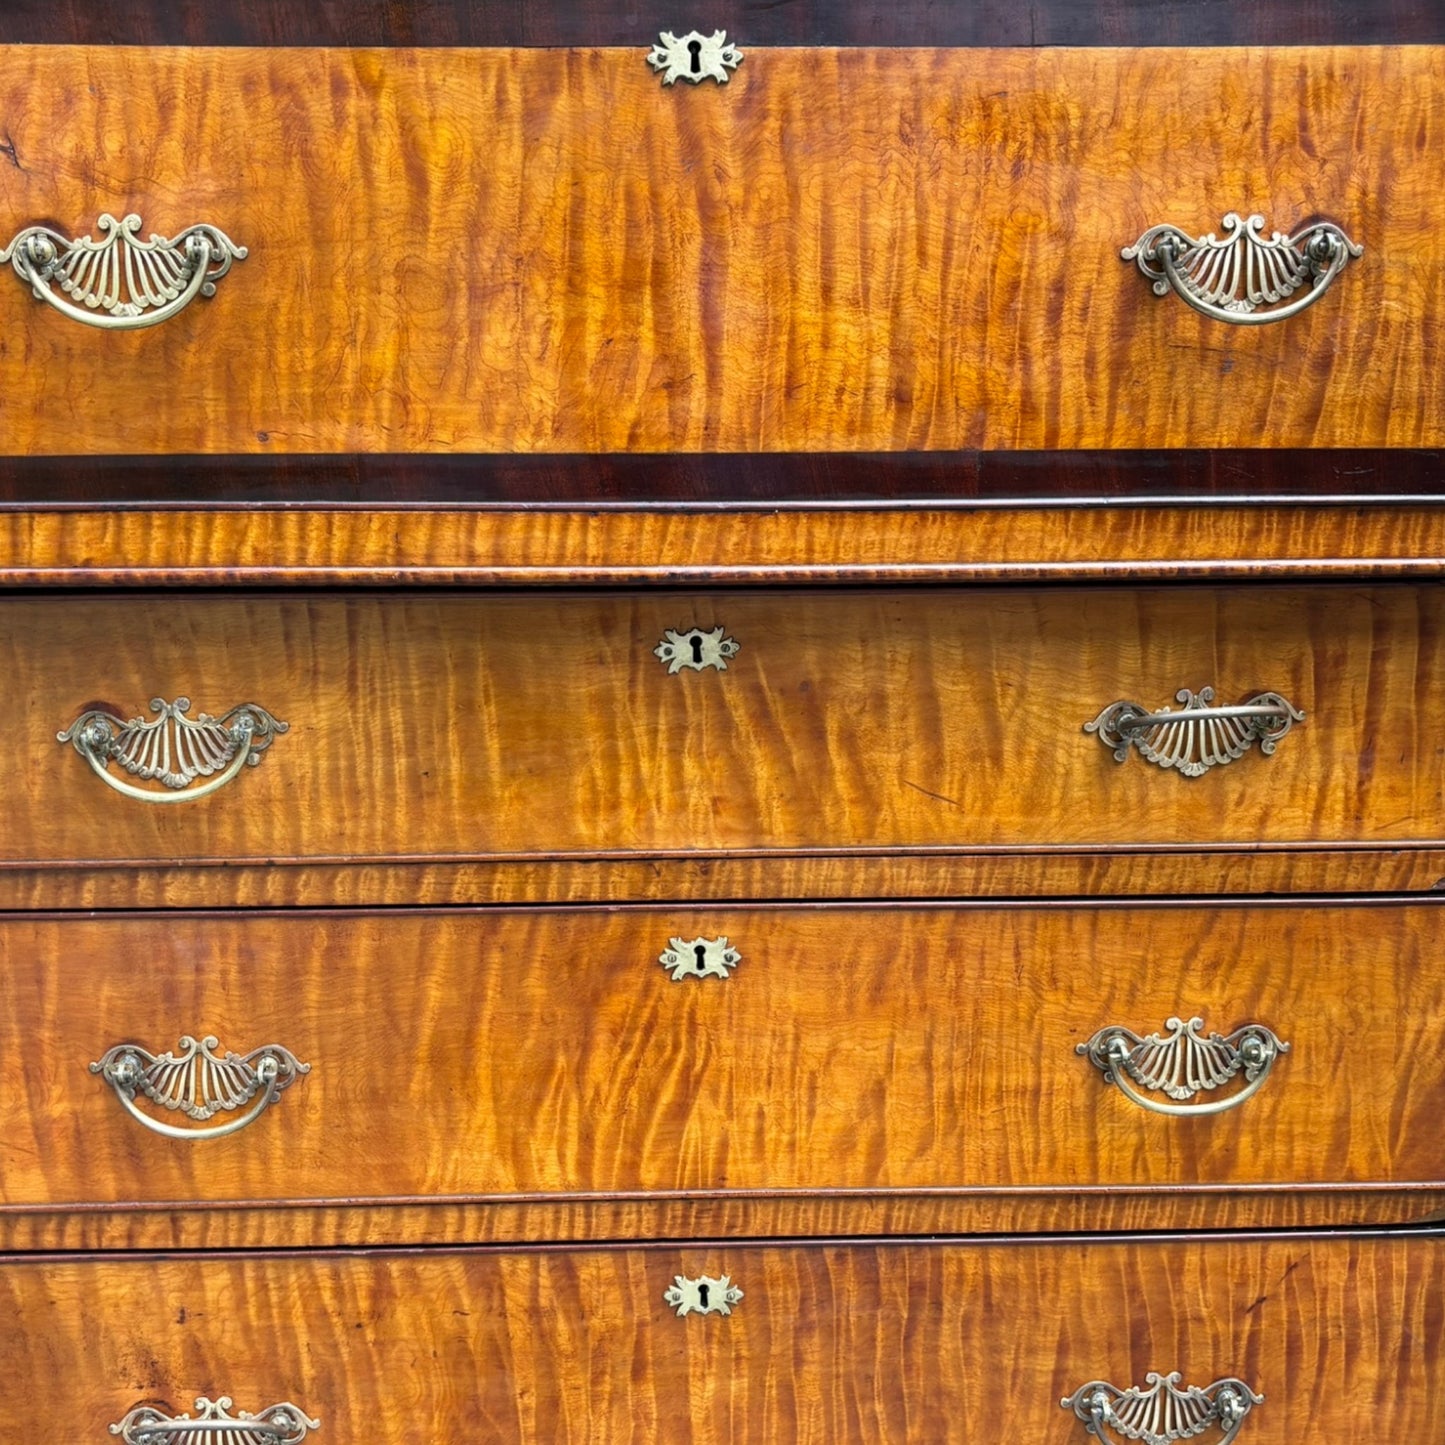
{"type": "Point", "coordinates": [734, 1215]}
{"type": "Point", "coordinates": [831, 1342]}
{"type": "Point", "coordinates": [448, 729]}
{"type": "Point", "coordinates": [521, 546]}
{"type": "Point", "coordinates": [513, 1053]}
{"type": "Point", "coordinates": [840, 250]}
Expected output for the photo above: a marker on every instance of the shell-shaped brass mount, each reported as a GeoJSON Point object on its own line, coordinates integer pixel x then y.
{"type": "Point", "coordinates": [1244, 277]}
{"type": "Point", "coordinates": [121, 283]}
{"type": "Point", "coordinates": [172, 749]}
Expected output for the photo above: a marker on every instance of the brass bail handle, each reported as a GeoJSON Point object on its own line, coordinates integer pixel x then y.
{"type": "Point", "coordinates": [199, 1082]}
{"type": "Point", "coordinates": [1244, 277]}
{"type": "Point", "coordinates": [121, 282]}
{"type": "Point", "coordinates": [1163, 1410]}
{"type": "Point", "coordinates": [1185, 1065]}
{"type": "Point", "coordinates": [284, 1424]}
{"type": "Point", "coordinates": [1199, 736]}
{"type": "Point", "coordinates": [172, 749]}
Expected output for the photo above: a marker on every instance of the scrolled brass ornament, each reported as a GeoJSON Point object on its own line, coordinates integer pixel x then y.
{"type": "Point", "coordinates": [1162, 1412]}
{"type": "Point", "coordinates": [172, 749]}
{"type": "Point", "coordinates": [121, 283]}
{"type": "Point", "coordinates": [284, 1424]}
{"type": "Point", "coordinates": [1184, 1065]}
{"type": "Point", "coordinates": [1243, 277]}
{"type": "Point", "coordinates": [199, 1083]}
{"type": "Point", "coordinates": [1199, 736]}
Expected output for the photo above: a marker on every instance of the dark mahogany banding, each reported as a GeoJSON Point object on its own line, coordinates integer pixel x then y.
{"type": "Point", "coordinates": [748, 22]}
{"type": "Point", "coordinates": [719, 479]}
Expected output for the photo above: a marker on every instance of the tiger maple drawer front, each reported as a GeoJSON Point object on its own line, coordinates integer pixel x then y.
{"type": "Point", "coordinates": [510, 726]}
{"type": "Point", "coordinates": [512, 1053]}
{"type": "Point", "coordinates": [817, 1343]}
{"type": "Point", "coordinates": [839, 250]}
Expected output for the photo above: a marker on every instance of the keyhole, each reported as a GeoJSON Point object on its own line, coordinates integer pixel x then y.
{"type": "Point", "coordinates": [696, 640]}
{"type": "Point", "coordinates": [700, 953]}
{"type": "Point", "coordinates": [695, 50]}
{"type": "Point", "coordinates": [702, 1290]}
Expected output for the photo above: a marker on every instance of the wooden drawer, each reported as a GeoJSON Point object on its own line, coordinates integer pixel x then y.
{"type": "Point", "coordinates": [851, 1342]}
{"type": "Point", "coordinates": [511, 1054]}
{"type": "Point", "coordinates": [495, 727]}
{"type": "Point", "coordinates": [841, 250]}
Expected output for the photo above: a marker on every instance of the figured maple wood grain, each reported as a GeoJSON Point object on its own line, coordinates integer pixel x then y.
{"type": "Point", "coordinates": [448, 547]}
{"type": "Point", "coordinates": [733, 1215]}
{"type": "Point", "coordinates": [536, 250]}
{"type": "Point", "coordinates": [510, 1053]}
{"type": "Point", "coordinates": [437, 728]}
{"type": "Point", "coordinates": [833, 1342]}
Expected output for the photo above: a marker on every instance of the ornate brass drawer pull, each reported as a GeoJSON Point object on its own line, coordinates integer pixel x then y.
{"type": "Point", "coordinates": [275, 1425]}
{"type": "Point", "coordinates": [1186, 1064]}
{"type": "Point", "coordinates": [702, 1296]}
{"type": "Point", "coordinates": [1229, 278]}
{"type": "Point", "coordinates": [121, 282]}
{"type": "Point", "coordinates": [1198, 737]}
{"type": "Point", "coordinates": [199, 1083]}
{"type": "Point", "coordinates": [694, 57]}
{"type": "Point", "coordinates": [1161, 1412]}
{"type": "Point", "coordinates": [172, 749]}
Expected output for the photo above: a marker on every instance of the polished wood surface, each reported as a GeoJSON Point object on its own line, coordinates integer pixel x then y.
{"type": "Point", "coordinates": [447, 729]}
{"type": "Point", "coordinates": [799, 22]}
{"type": "Point", "coordinates": [831, 1342]}
{"type": "Point", "coordinates": [520, 546]}
{"type": "Point", "coordinates": [840, 250]}
{"type": "Point", "coordinates": [359, 1224]}
{"type": "Point", "coordinates": [522, 1052]}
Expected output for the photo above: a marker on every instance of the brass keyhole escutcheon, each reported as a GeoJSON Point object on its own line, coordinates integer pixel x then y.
{"type": "Point", "coordinates": [695, 648]}
{"type": "Point", "coordinates": [699, 958]}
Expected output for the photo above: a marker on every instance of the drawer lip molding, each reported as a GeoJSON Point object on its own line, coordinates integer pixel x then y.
{"type": "Point", "coordinates": [429, 1223]}
{"type": "Point", "coordinates": [1393, 1190]}
{"type": "Point", "coordinates": [561, 857]}
{"type": "Point", "coordinates": [473, 1331]}
{"type": "Point", "coordinates": [513, 547]}
{"type": "Point", "coordinates": [1424, 1235]}
{"type": "Point", "coordinates": [1110, 874]}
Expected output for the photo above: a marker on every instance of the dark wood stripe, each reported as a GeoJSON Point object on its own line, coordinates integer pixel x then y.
{"type": "Point", "coordinates": [716, 479]}
{"type": "Point", "coordinates": [749, 22]}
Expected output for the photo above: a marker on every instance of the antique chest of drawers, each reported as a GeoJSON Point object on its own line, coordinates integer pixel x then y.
{"type": "Point", "coordinates": [680, 766]}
